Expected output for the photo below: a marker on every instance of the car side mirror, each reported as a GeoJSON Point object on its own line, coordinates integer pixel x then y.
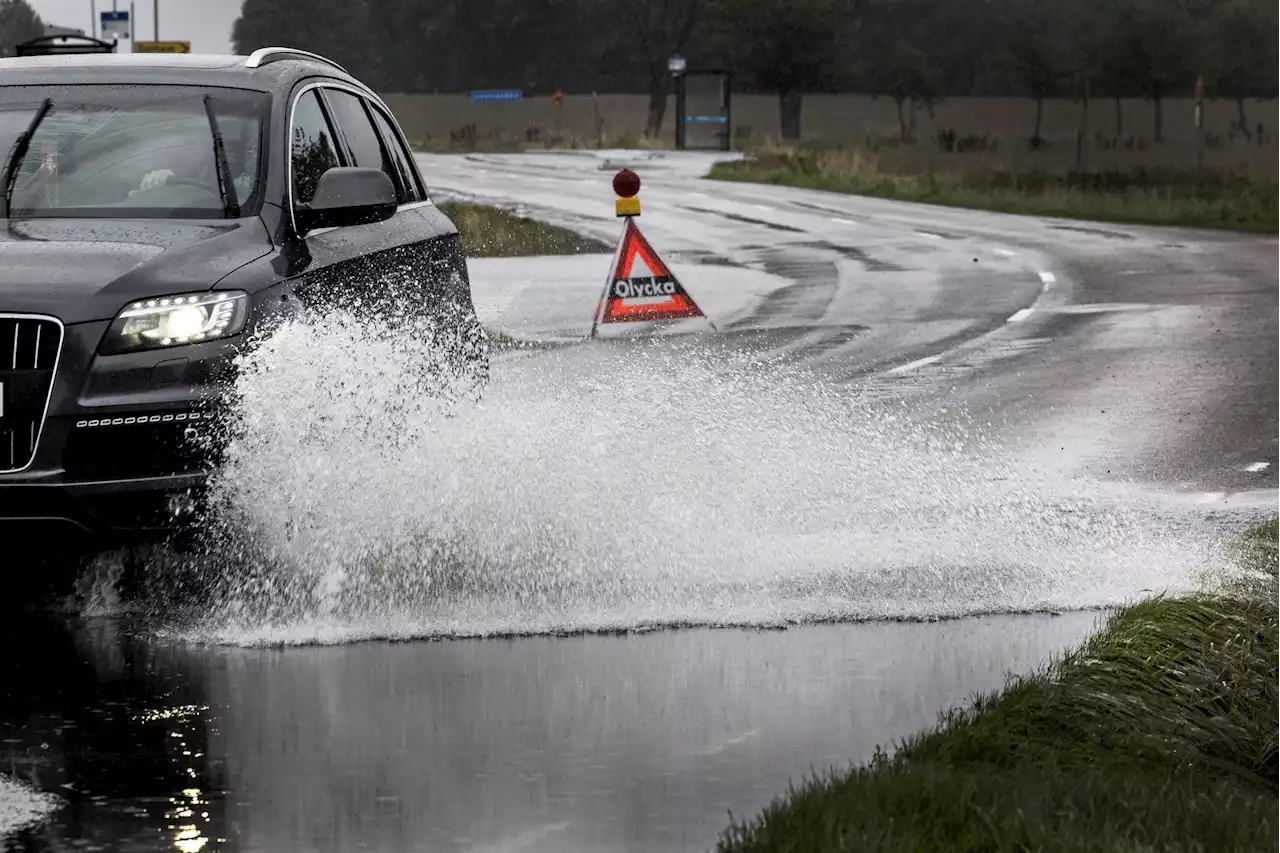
{"type": "Point", "coordinates": [347, 195]}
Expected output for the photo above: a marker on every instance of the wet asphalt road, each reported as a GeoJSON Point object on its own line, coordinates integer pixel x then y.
{"type": "Point", "coordinates": [1112, 353]}
{"type": "Point", "coordinates": [1125, 353]}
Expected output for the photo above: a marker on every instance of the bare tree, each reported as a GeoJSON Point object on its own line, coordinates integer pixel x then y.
{"type": "Point", "coordinates": [1244, 57]}
{"type": "Point", "coordinates": [661, 28]}
{"type": "Point", "coordinates": [789, 47]}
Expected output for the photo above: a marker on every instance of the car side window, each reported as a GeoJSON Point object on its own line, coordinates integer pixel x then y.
{"type": "Point", "coordinates": [312, 146]}
{"type": "Point", "coordinates": [356, 127]}
{"type": "Point", "coordinates": [412, 190]}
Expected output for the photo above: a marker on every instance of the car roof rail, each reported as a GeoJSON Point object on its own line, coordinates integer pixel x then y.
{"type": "Point", "coordinates": [265, 55]}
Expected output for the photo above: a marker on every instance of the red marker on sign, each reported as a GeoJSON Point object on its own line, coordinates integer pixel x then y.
{"type": "Point", "coordinates": [626, 183]}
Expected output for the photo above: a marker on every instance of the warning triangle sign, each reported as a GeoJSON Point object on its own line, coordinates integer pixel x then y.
{"type": "Point", "coordinates": [642, 288]}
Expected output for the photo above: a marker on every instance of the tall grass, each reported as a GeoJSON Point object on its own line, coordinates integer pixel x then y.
{"type": "Point", "coordinates": [1185, 198]}
{"type": "Point", "coordinates": [1159, 733]}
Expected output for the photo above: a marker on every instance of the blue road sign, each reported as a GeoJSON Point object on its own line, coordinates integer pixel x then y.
{"type": "Point", "coordinates": [706, 119]}
{"type": "Point", "coordinates": [497, 95]}
{"type": "Point", "coordinates": [115, 24]}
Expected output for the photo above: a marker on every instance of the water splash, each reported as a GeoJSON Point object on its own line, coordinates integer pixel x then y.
{"type": "Point", "coordinates": [367, 493]}
{"type": "Point", "coordinates": [22, 806]}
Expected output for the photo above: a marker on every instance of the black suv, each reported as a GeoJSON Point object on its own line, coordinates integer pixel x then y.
{"type": "Point", "coordinates": [158, 211]}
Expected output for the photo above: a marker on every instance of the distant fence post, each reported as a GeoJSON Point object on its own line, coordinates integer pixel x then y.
{"type": "Point", "coordinates": [1083, 130]}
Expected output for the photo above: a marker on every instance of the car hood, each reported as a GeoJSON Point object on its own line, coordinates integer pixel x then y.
{"type": "Point", "coordinates": [88, 269]}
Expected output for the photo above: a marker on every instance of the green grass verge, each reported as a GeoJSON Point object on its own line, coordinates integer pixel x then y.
{"type": "Point", "coordinates": [499, 143]}
{"type": "Point", "coordinates": [490, 232]}
{"type": "Point", "coordinates": [1195, 199]}
{"type": "Point", "coordinates": [1158, 733]}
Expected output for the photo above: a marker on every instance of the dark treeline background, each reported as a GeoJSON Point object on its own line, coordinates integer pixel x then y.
{"type": "Point", "coordinates": [18, 23]}
{"type": "Point", "coordinates": [914, 51]}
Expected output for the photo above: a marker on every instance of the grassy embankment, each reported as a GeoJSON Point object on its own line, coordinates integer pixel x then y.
{"type": "Point", "coordinates": [490, 232]}
{"type": "Point", "coordinates": [1159, 733]}
{"type": "Point", "coordinates": [1184, 198]}
{"type": "Point", "coordinates": [511, 143]}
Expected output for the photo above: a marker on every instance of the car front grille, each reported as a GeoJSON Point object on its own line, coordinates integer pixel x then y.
{"type": "Point", "coordinates": [29, 348]}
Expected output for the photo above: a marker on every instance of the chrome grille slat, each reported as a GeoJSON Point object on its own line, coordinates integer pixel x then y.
{"type": "Point", "coordinates": [26, 385]}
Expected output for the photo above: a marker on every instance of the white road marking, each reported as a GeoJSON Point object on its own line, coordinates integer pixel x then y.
{"type": "Point", "coordinates": [1212, 497]}
{"type": "Point", "coordinates": [913, 365]}
{"type": "Point", "coordinates": [1020, 316]}
{"type": "Point", "coordinates": [1048, 278]}
{"type": "Point", "coordinates": [699, 195]}
{"type": "Point", "coordinates": [843, 221]}
{"type": "Point", "coordinates": [1255, 467]}
{"type": "Point", "coordinates": [930, 235]}
{"type": "Point", "coordinates": [1005, 253]}
{"type": "Point", "coordinates": [762, 207]}
{"type": "Point", "coordinates": [1106, 307]}
{"type": "Point", "coordinates": [720, 746]}
{"type": "Point", "coordinates": [525, 840]}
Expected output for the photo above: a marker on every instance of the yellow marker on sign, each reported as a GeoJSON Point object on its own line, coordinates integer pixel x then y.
{"type": "Point", "coordinates": [162, 47]}
{"type": "Point", "coordinates": [627, 207]}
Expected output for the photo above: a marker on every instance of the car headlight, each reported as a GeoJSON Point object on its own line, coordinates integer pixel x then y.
{"type": "Point", "coordinates": [172, 321]}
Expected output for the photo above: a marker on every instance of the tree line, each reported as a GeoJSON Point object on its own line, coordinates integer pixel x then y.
{"type": "Point", "coordinates": [915, 52]}
{"type": "Point", "coordinates": [18, 23]}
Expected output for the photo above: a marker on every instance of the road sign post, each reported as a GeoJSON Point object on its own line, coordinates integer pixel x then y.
{"type": "Point", "coordinates": [676, 66]}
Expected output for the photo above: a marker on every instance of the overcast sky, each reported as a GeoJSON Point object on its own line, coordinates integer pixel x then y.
{"type": "Point", "coordinates": [204, 23]}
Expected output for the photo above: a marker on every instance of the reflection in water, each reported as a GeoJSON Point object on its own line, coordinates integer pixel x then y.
{"type": "Point", "coordinates": [619, 743]}
{"type": "Point", "coordinates": [189, 816]}
{"type": "Point", "coordinates": [89, 714]}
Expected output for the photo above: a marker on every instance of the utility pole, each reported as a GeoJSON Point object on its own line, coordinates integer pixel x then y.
{"type": "Point", "coordinates": [93, 18]}
{"type": "Point", "coordinates": [155, 21]}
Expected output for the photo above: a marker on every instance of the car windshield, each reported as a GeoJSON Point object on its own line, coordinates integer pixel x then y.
{"type": "Point", "coordinates": [131, 151]}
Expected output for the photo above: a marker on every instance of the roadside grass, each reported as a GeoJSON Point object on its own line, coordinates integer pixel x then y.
{"type": "Point", "coordinates": [464, 142]}
{"type": "Point", "coordinates": [490, 232]}
{"type": "Point", "coordinates": [1158, 733]}
{"type": "Point", "coordinates": [1204, 199]}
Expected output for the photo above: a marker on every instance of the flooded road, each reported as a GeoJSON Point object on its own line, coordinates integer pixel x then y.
{"type": "Point", "coordinates": [544, 622]}
{"type": "Point", "coordinates": [599, 743]}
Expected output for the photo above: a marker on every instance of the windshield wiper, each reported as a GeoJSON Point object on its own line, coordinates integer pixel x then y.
{"type": "Point", "coordinates": [231, 207]}
{"type": "Point", "coordinates": [18, 152]}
